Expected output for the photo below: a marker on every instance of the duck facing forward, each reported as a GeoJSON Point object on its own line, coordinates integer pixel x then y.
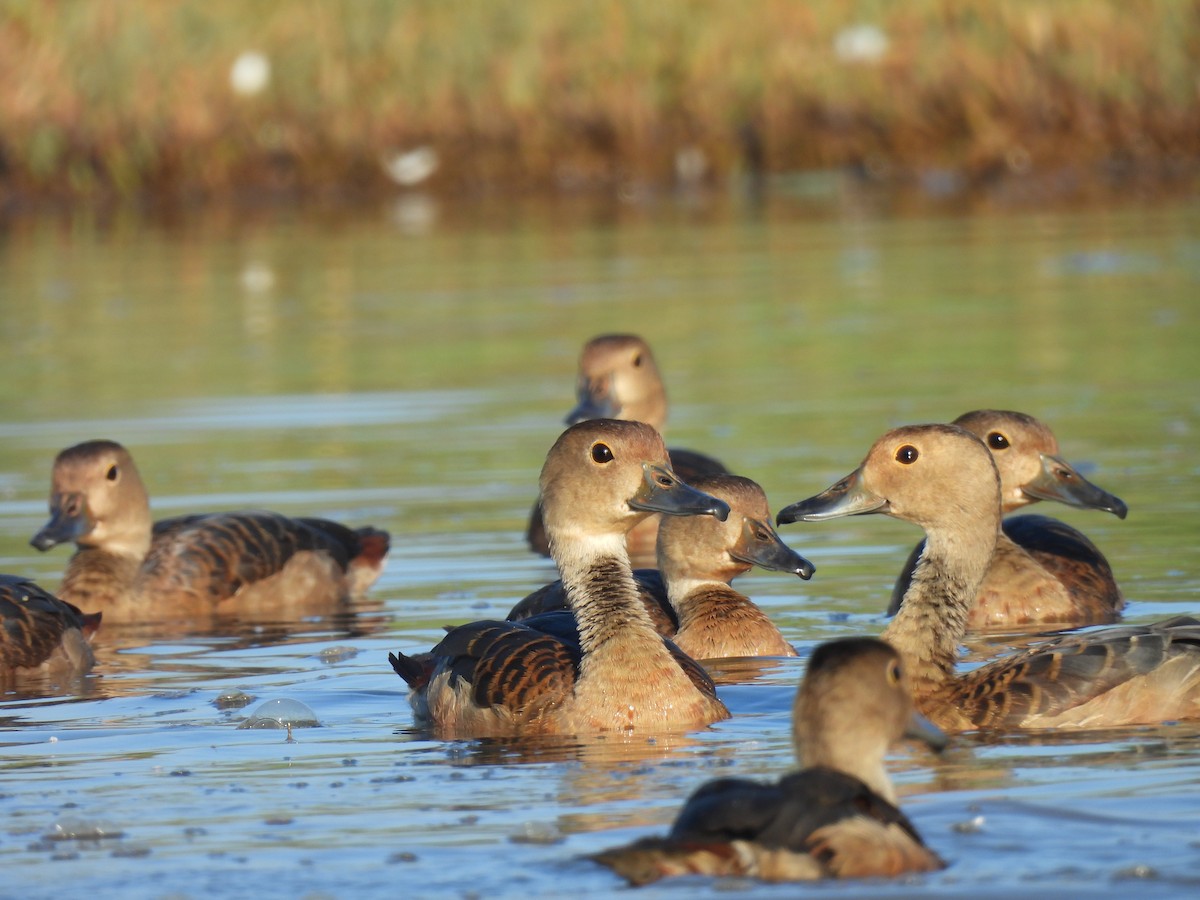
{"type": "Point", "coordinates": [943, 478]}
{"type": "Point", "coordinates": [191, 567]}
{"type": "Point", "coordinates": [619, 379]}
{"type": "Point", "coordinates": [689, 596]}
{"type": "Point", "coordinates": [40, 631]}
{"type": "Point", "coordinates": [836, 817]}
{"type": "Point", "coordinates": [615, 672]}
{"type": "Point", "coordinates": [1043, 571]}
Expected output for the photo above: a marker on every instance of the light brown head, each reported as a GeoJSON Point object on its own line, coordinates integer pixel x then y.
{"type": "Point", "coordinates": [618, 379]}
{"type": "Point", "coordinates": [1026, 453]}
{"type": "Point", "coordinates": [604, 476]}
{"type": "Point", "coordinates": [97, 499]}
{"type": "Point", "coordinates": [940, 477]}
{"type": "Point", "coordinates": [854, 702]}
{"type": "Point", "coordinates": [704, 549]}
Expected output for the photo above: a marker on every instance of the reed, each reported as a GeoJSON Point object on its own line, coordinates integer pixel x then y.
{"type": "Point", "coordinates": [133, 96]}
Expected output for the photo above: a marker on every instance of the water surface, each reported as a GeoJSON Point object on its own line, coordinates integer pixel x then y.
{"type": "Point", "coordinates": [408, 367]}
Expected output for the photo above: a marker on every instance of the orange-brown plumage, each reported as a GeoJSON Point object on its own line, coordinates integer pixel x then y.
{"type": "Point", "coordinates": [195, 565]}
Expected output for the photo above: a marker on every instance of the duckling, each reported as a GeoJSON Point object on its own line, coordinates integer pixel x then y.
{"type": "Point", "coordinates": [689, 597]}
{"type": "Point", "coordinates": [600, 478]}
{"type": "Point", "coordinates": [618, 379]}
{"type": "Point", "coordinates": [836, 817]}
{"type": "Point", "coordinates": [1043, 571]}
{"type": "Point", "coordinates": [136, 570]}
{"type": "Point", "coordinates": [944, 479]}
{"type": "Point", "coordinates": [39, 631]}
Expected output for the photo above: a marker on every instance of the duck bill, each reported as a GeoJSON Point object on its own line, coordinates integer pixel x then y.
{"type": "Point", "coordinates": [63, 528]}
{"type": "Point", "coordinates": [846, 498]}
{"type": "Point", "coordinates": [663, 492]}
{"type": "Point", "coordinates": [594, 400]}
{"type": "Point", "coordinates": [1059, 481]}
{"type": "Point", "coordinates": [760, 545]}
{"type": "Point", "coordinates": [920, 728]}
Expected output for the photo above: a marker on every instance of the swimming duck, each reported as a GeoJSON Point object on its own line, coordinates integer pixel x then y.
{"type": "Point", "coordinates": [944, 479]}
{"type": "Point", "coordinates": [136, 570]}
{"type": "Point", "coordinates": [600, 478]}
{"type": "Point", "coordinates": [688, 596]}
{"type": "Point", "coordinates": [39, 631]}
{"type": "Point", "coordinates": [1043, 571]}
{"type": "Point", "coordinates": [836, 817]}
{"type": "Point", "coordinates": [618, 379]}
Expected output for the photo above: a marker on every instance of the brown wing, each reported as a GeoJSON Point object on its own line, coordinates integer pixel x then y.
{"type": "Point", "coordinates": [33, 621]}
{"type": "Point", "coordinates": [1074, 560]}
{"type": "Point", "coordinates": [216, 554]}
{"type": "Point", "coordinates": [1065, 674]}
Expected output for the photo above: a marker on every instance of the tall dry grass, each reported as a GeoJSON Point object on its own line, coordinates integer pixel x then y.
{"type": "Point", "coordinates": [129, 96]}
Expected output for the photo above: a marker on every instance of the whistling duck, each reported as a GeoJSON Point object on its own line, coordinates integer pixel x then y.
{"type": "Point", "coordinates": [136, 570]}
{"type": "Point", "coordinates": [688, 597]}
{"type": "Point", "coordinates": [618, 379]}
{"type": "Point", "coordinates": [39, 631]}
{"type": "Point", "coordinates": [499, 678]}
{"type": "Point", "coordinates": [835, 818]}
{"type": "Point", "coordinates": [944, 479]}
{"type": "Point", "coordinates": [1043, 571]}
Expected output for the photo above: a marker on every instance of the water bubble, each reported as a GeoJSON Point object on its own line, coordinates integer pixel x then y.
{"type": "Point", "coordinates": [283, 713]}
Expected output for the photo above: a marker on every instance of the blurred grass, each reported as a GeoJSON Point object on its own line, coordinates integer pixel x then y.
{"type": "Point", "coordinates": [134, 96]}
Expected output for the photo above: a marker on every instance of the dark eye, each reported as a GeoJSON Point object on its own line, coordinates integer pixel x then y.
{"type": "Point", "coordinates": [907, 454]}
{"type": "Point", "coordinates": [637, 360]}
{"type": "Point", "coordinates": [893, 672]}
{"type": "Point", "coordinates": [111, 474]}
{"type": "Point", "coordinates": [601, 453]}
{"type": "Point", "coordinates": [997, 441]}
{"type": "Point", "coordinates": [665, 480]}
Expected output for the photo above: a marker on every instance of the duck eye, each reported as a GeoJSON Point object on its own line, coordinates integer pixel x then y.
{"type": "Point", "coordinates": [907, 455]}
{"type": "Point", "coordinates": [637, 360]}
{"type": "Point", "coordinates": [111, 474]}
{"type": "Point", "coordinates": [601, 453]}
{"type": "Point", "coordinates": [893, 673]}
{"type": "Point", "coordinates": [997, 441]}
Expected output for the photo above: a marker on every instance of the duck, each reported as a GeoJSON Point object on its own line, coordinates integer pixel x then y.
{"type": "Point", "coordinates": [194, 566]}
{"type": "Point", "coordinates": [1043, 572]}
{"type": "Point", "coordinates": [837, 817]}
{"type": "Point", "coordinates": [689, 597]}
{"type": "Point", "coordinates": [619, 379]}
{"type": "Point", "coordinates": [944, 479]}
{"type": "Point", "coordinates": [598, 666]}
{"type": "Point", "coordinates": [38, 631]}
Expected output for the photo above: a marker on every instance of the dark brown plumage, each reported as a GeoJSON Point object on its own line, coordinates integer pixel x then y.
{"type": "Point", "coordinates": [38, 630]}
{"type": "Point", "coordinates": [942, 478]}
{"type": "Point", "coordinates": [194, 565]}
{"type": "Point", "coordinates": [836, 818]}
{"type": "Point", "coordinates": [600, 665]}
{"type": "Point", "coordinates": [619, 379]}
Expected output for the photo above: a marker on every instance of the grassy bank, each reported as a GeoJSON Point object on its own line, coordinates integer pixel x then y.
{"type": "Point", "coordinates": [133, 96]}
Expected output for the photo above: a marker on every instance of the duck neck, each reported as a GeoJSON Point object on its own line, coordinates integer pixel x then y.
{"type": "Point", "coordinates": [600, 589]}
{"type": "Point", "coordinates": [932, 620]}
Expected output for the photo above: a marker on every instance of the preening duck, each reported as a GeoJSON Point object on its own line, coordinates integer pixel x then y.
{"type": "Point", "coordinates": [689, 597]}
{"type": "Point", "coordinates": [836, 817]}
{"type": "Point", "coordinates": [600, 665]}
{"type": "Point", "coordinates": [618, 379]}
{"type": "Point", "coordinates": [943, 478]}
{"type": "Point", "coordinates": [137, 570]}
{"type": "Point", "coordinates": [1043, 571]}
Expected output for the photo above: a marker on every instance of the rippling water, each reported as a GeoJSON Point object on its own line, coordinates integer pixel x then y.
{"type": "Point", "coordinates": [409, 366]}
